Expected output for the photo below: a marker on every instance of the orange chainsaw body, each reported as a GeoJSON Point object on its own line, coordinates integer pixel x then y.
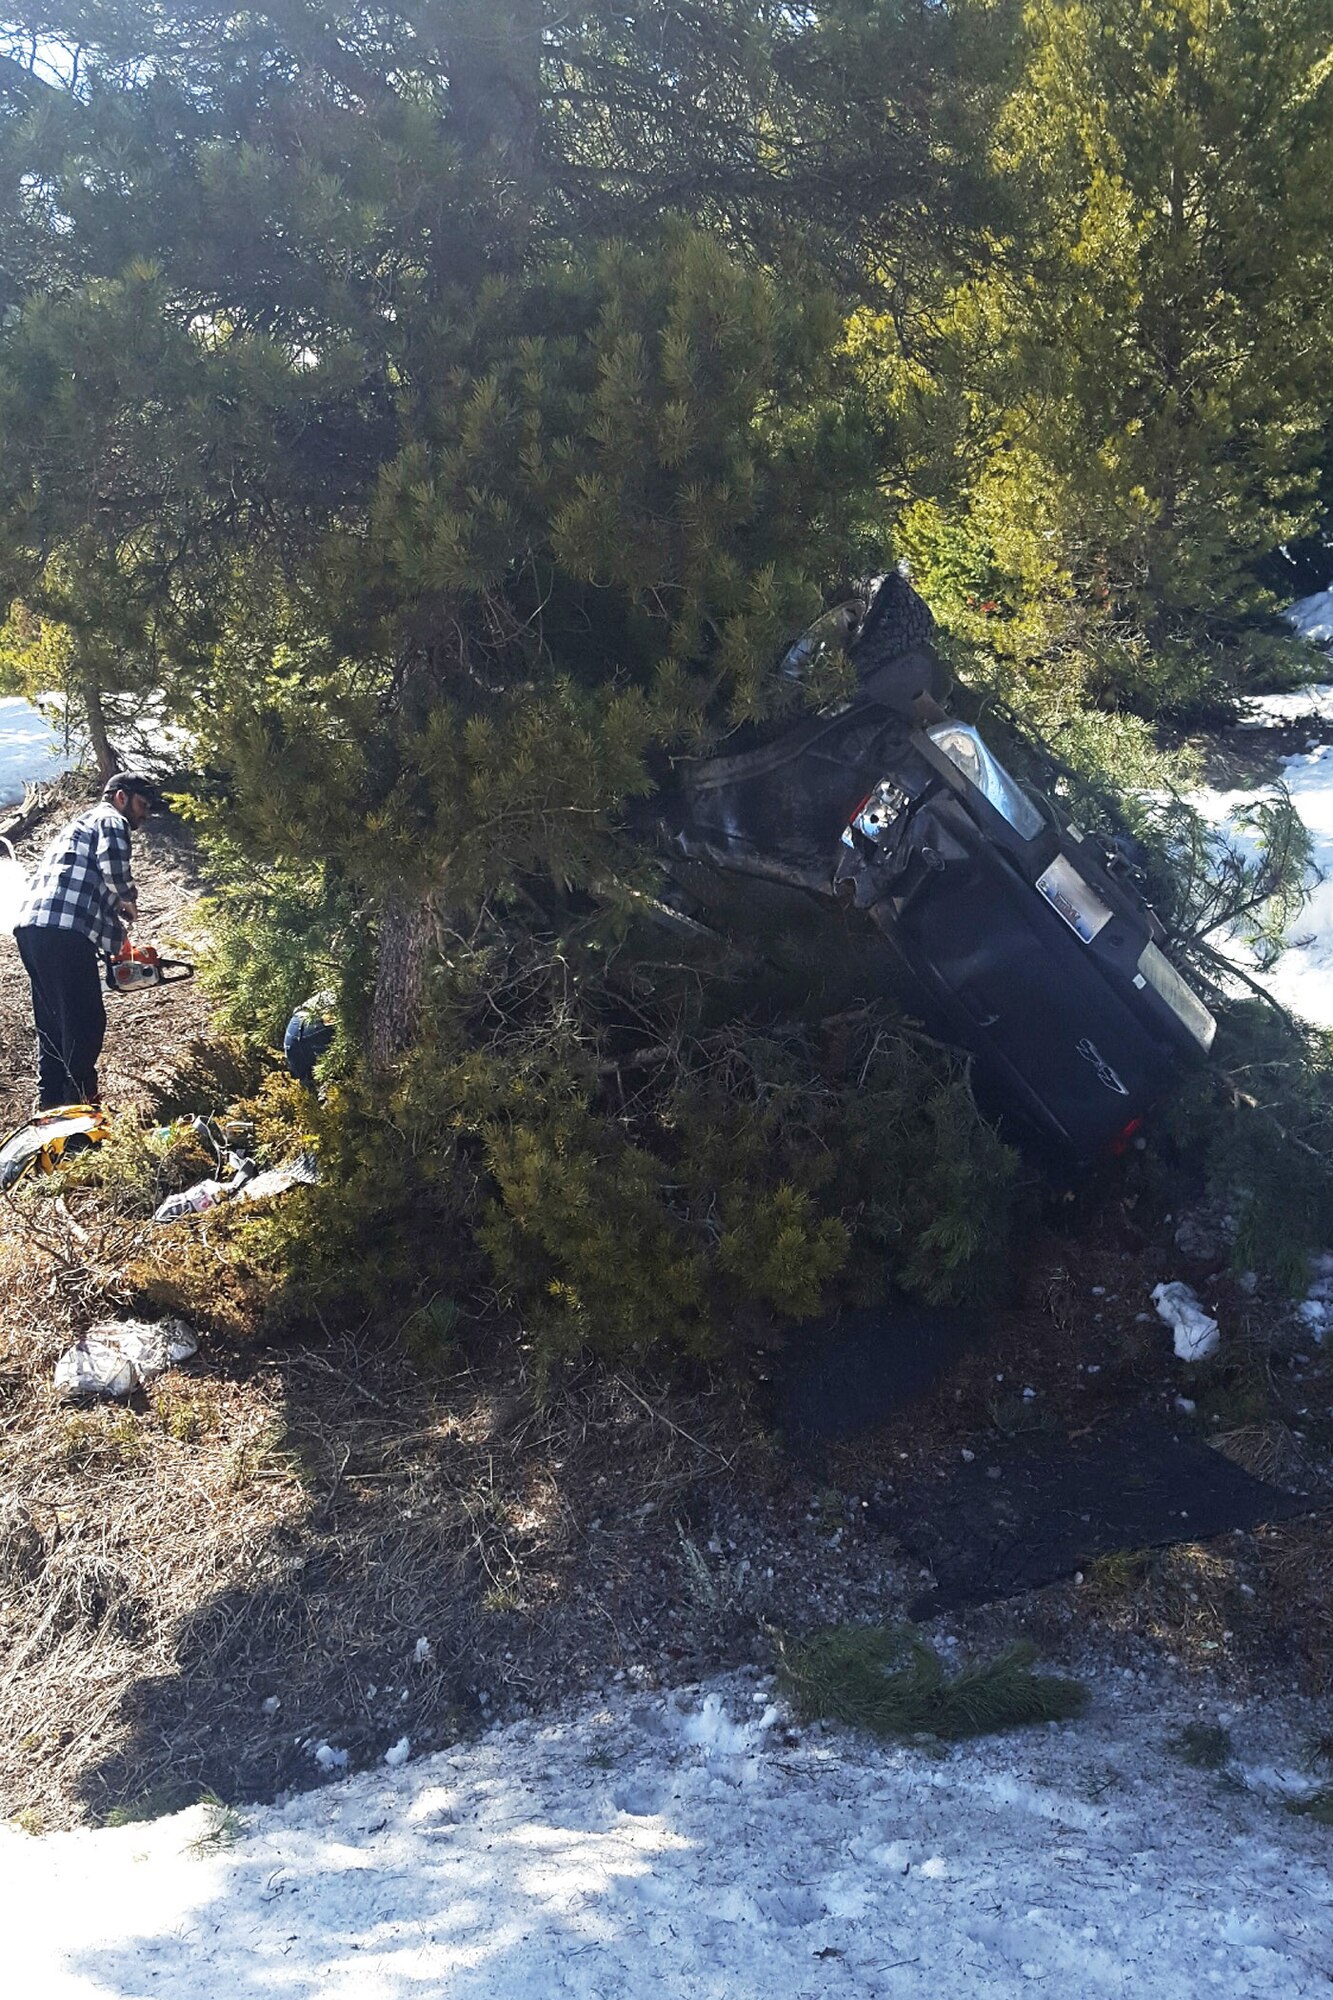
{"type": "Point", "coordinates": [136, 966]}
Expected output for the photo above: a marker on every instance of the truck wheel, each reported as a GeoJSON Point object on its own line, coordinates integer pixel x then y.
{"type": "Point", "coordinates": [897, 621]}
{"type": "Point", "coordinates": [893, 652]}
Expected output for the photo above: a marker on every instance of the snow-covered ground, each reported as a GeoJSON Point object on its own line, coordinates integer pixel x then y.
{"type": "Point", "coordinates": [692, 1845]}
{"type": "Point", "coordinates": [31, 748]}
{"type": "Point", "coordinates": [1313, 617]}
{"type": "Point", "coordinates": [1301, 979]}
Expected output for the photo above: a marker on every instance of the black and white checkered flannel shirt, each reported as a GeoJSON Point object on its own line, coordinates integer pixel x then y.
{"type": "Point", "coordinates": [83, 876]}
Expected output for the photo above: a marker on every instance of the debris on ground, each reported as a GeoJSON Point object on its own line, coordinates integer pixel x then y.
{"type": "Point", "coordinates": [1040, 1508]}
{"type": "Point", "coordinates": [116, 1357]}
{"type": "Point", "coordinates": [1196, 1334]}
{"type": "Point", "coordinates": [300, 1172]}
{"type": "Point", "coordinates": [1205, 1234]}
{"type": "Point", "coordinates": [208, 1193]}
{"type": "Point", "coordinates": [244, 1180]}
{"type": "Point", "coordinates": [1316, 1308]}
{"type": "Point", "coordinates": [48, 1138]}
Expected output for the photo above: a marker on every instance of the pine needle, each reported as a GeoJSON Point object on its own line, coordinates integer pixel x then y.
{"type": "Point", "coordinates": [891, 1681]}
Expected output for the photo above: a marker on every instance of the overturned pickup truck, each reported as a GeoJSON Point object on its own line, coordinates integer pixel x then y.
{"type": "Point", "coordinates": [1010, 934]}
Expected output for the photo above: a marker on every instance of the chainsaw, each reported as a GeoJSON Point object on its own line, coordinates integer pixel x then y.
{"type": "Point", "coordinates": [136, 966]}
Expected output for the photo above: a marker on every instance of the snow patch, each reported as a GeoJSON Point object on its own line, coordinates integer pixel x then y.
{"type": "Point", "coordinates": [1076, 1860]}
{"type": "Point", "coordinates": [1301, 979]}
{"type": "Point", "coordinates": [1316, 1308]}
{"type": "Point", "coordinates": [32, 750]}
{"type": "Point", "coordinates": [713, 1731]}
{"type": "Point", "coordinates": [1313, 617]}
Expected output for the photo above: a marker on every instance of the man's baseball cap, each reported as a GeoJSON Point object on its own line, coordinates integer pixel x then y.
{"type": "Point", "coordinates": [133, 782]}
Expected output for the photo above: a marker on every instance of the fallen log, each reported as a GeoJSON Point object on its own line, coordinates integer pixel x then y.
{"type": "Point", "coordinates": [20, 819]}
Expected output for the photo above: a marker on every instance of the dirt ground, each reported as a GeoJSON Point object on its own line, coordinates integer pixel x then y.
{"type": "Point", "coordinates": [288, 1549]}
{"type": "Point", "coordinates": [1249, 759]}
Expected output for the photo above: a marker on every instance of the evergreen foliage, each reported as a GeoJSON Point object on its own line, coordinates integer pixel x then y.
{"type": "Point", "coordinates": [891, 1681]}
{"type": "Point", "coordinates": [625, 1161]}
{"type": "Point", "coordinates": [1262, 1124]}
{"type": "Point", "coordinates": [449, 416]}
{"type": "Point", "coordinates": [1205, 1745]}
{"type": "Point", "coordinates": [1126, 410]}
{"type": "Point", "coordinates": [372, 396]}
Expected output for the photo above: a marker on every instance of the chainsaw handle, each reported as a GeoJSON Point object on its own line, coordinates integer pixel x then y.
{"type": "Point", "coordinates": [174, 971]}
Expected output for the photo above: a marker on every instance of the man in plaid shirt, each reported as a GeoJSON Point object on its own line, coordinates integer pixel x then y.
{"type": "Point", "coordinates": [75, 914]}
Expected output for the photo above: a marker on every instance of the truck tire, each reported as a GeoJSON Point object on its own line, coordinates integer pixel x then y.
{"type": "Point", "coordinates": [893, 651]}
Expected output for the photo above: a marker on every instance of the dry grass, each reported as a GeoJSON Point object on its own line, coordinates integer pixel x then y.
{"type": "Point", "coordinates": [289, 1524]}
{"type": "Point", "coordinates": [1272, 1451]}
{"type": "Point", "coordinates": [1186, 1600]}
{"type": "Point", "coordinates": [1296, 1565]}
{"type": "Point", "coordinates": [285, 1524]}
{"type": "Point", "coordinates": [110, 1528]}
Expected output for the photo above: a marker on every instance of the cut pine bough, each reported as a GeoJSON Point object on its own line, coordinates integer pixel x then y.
{"type": "Point", "coordinates": [891, 1681]}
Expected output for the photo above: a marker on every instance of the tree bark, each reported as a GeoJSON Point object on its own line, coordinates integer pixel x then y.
{"type": "Point", "coordinates": [406, 929]}
{"type": "Point", "coordinates": [95, 716]}
{"type": "Point", "coordinates": [493, 51]}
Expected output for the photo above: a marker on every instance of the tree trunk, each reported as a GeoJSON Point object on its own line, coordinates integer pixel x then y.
{"type": "Point", "coordinates": [95, 716]}
{"type": "Point", "coordinates": [406, 929]}
{"type": "Point", "coordinates": [493, 52]}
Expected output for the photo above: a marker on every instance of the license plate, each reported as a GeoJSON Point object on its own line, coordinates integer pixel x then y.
{"type": "Point", "coordinates": [1074, 899]}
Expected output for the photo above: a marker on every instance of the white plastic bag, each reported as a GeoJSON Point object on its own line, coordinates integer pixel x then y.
{"type": "Point", "coordinates": [207, 1194]}
{"type": "Point", "coordinates": [117, 1357]}
{"type": "Point", "coordinates": [1196, 1335]}
{"type": "Point", "coordinates": [300, 1172]}
{"type": "Point", "coordinates": [92, 1368]}
{"type": "Point", "coordinates": [193, 1200]}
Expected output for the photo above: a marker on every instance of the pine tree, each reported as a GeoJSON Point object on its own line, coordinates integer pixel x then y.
{"type": "Point", "coordinates": [452, 411]}
{"type": "Point", "coordinates": [334, 350]}
{"type": "Point", "coordinates": [1140, 387]}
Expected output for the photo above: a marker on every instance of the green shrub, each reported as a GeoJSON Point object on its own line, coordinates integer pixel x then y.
{"type": "Point", "coordinates": [170, 1795]}
{"type": "Point", "coordinates": [627, 1160]}
{"type": "Point", "coordinates": [1317, 1806]}
{"type": "Point", "coordinates": [1259, 1123]}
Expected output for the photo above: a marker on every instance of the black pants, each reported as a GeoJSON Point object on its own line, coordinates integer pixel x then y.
{"type": "Point", "coordinates": [67, 1009]}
